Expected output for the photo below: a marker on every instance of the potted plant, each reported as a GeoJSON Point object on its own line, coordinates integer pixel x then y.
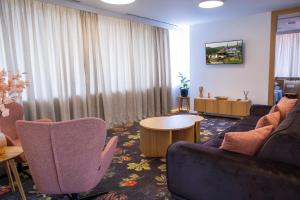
{"type": "Point", "coordinates": [184, 86]}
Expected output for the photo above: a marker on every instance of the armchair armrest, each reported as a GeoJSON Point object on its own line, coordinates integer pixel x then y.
{"type": "Point", "coordinates": [106, 158]}
{"type": "Point", "coordinates": [259, 110]}
{"type": "Point", "coordinates": [43, 120]}
{"type": "Point", "coordinates": [109, 151]}
{"type": "Point", "coordinates": [196, 171]}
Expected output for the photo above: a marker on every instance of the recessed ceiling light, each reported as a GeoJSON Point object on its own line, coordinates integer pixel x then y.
{"type": "Point", "coordinates": [211, 4]}
{"type": "Point", "coordinates": [118, 2]}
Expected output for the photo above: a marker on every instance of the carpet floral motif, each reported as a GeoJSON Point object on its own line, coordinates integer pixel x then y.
{"type": "Point", "coordinates": [130, 176]}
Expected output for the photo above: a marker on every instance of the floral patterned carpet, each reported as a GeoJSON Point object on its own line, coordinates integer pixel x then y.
{"type": "Point", "coordinates": [130, 176]}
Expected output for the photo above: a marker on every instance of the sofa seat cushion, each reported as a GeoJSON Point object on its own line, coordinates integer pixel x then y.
{"type": "Point", "coordinates": [247, 124]}
{"type": "Point", "coordinates": [214, 142]}
{"type": "Point", "coordinates": [247, 143]}
{"type": "Point", "coordinates": [249, 121]}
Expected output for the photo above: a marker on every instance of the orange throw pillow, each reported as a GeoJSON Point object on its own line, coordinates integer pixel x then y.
{"type": "Point", "coordinates": [247, 143]}
{"type": "Point", "coordinates": [269, 119]}
{"type": "Point", "coordinates": [274, 109]}
{"type": "Point", "coordinates": [285, 105]}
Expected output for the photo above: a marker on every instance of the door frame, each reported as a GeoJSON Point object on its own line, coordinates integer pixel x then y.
{"type": "Point", "coordinates": [274, 18]}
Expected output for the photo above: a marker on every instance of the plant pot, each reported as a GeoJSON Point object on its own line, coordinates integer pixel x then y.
{"type": "Point", "coordinates": [184, 92]}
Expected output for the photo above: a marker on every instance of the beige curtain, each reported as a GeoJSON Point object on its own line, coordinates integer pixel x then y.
{"type": "Point", "coordinates": [83, 64]}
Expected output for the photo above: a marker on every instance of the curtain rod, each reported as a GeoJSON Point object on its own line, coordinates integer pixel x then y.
{"type": "Point", "coordinates": [76, 4]}
{"type": "Point", "coordinates": [150, 19]}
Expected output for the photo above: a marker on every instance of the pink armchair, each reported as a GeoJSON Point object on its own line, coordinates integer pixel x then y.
{"type": "Point", "coordinates": [66, 157]}
{"type": "Point", "coordinates": [8, 127]}
{"type": "Point", "coordinates": [8, 124]}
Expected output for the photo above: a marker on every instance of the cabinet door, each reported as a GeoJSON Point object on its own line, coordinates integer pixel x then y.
{"type": "Point", "coordinates": [240, 108]}
{"type": "Point", "coordinates": [199, 105]}
{"type": "Point", "coordinates": [224, 107]}
{"type": "Point", "coordinates": [211, 106]}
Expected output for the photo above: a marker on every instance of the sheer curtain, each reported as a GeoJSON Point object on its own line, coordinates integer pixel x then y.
{"type": "Point", "coordinates": [287, 62]}
{"type": "Point", "coordinates": [180, 58]}
{"type": "Point", "coordinates": [84, 64]}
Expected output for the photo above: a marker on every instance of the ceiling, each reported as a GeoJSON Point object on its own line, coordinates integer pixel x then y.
{"type": "Point", "coordinates": [182, 12]}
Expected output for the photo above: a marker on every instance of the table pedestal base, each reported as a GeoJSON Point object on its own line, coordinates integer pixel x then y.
{"type": "Point", "coordinates": [154, 143]}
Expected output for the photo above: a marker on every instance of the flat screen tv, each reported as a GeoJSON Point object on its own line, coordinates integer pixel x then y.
{"type": "Point", "coordinates": [228, 52]}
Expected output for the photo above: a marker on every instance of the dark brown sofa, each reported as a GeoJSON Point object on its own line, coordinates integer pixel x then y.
{"type": "Point", "coordinates": [203, 171]}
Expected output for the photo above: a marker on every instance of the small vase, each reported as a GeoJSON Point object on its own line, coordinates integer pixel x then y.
{"type": "Point", "coordinates": [3, 143]}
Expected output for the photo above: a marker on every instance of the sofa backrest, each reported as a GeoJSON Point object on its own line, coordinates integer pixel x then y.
{"type": "Point", "coordinates": [284, 143]}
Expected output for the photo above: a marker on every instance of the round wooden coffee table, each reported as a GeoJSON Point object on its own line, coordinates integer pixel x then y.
{"type": "Point", "coordinates": [7, 158]}
{"type": "Point", "coordinates": [157, 133]}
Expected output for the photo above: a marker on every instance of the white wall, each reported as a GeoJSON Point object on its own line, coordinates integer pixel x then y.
{"type": "Point", "coordinates": [231, 80]}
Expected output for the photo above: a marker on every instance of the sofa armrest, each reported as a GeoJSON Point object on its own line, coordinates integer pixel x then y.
{"type": "Point", "coordinates": [259, 110]}
{"type": "Point", "coordinates": [195, 171]}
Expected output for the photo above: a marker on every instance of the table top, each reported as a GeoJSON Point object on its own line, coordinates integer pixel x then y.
{"type": "Point", "coordinates": [10, 153]}
{"type": "Point", "coordinates": [174, 122]}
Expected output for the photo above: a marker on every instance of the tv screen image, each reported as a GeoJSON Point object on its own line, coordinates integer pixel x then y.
{"type": "Point", "coordinates": [228, 52]}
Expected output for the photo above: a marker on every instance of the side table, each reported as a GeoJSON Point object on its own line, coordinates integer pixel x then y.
{"type": "Point", "coordinates": [8, 159]}
{"type": "Point", "coordinates": [181, 103]}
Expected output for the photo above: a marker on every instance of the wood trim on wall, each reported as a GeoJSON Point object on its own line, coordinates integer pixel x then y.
{"type": "Point", "coordinates": [274, 17]}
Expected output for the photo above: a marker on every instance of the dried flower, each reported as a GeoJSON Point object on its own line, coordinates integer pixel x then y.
{"type": "Point", "coordinates": [11, 88]}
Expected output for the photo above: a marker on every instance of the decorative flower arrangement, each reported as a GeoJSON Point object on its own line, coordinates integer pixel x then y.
{"type": "Point", "coordinates": [11, 88]}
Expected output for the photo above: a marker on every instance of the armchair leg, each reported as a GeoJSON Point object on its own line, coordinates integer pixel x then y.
{"type": "Point", "coordinates": [21, 169]}
{"type": "Point", "coordinates": [74, 196]}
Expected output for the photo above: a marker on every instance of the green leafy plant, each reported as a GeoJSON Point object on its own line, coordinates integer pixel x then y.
{"type": "Point", "coordinates": [184, 82]}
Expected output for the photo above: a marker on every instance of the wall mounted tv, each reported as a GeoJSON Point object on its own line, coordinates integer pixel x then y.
{"type": "Point", "coordinates": [228, 52]}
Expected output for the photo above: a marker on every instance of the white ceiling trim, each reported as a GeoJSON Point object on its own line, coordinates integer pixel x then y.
{"type": "Point", "coordinates": [75, 5]}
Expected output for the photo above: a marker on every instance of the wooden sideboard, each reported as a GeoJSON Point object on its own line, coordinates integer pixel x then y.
{"type": "Point", "coordinates": [228, 107]}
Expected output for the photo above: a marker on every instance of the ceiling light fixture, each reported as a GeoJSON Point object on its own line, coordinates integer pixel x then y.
{"type": "Point", "coordinates": [118, 2]}
{"type": "Point", "coordinates": [211, 4]}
